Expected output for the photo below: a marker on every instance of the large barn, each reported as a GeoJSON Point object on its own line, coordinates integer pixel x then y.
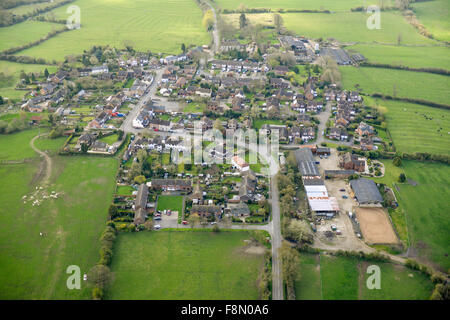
{"type": "Point", "coordinates": [366, 191]}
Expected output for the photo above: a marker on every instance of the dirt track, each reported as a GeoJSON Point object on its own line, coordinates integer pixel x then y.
{"type": "Point", "coordinates": [48, 160]}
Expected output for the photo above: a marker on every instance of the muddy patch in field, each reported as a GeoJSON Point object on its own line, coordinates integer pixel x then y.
{"type": "Point", "coordinates": [412, 182]}
{"type": "Point", "coordinates": [252, 248]}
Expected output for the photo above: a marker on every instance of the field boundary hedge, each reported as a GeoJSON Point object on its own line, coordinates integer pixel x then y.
{"type": "Point", "coordinates": [405, 68]}
{"type": "Point", "coordinates": [411, 100]}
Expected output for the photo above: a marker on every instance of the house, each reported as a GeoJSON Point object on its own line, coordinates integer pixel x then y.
{"type": "Point", "coordinates": [214, 106]}
{"type": "Point", "coordinates": [171, 185]}
{"type": "Point", "coordinates": [281, 70]}
{"type": "Point", "coordinates": [140, 205]}
{"type": "Point", "coordinates": [99, 70]}
{"type": "Point", "coordinates": [366, 144]}
{"type": "Point", "coordinates": [366, 192]}
{"type": "Point", "coordinates": [86, 139]}
{"type": "Point", "coordinates": [237, 210]}
{"type": "Point", "coordinates": [204, 93]}
{"type": "Point", "coordinates": [338, 134]}
{"type": "Point", "coordinates": [35, 119]}
{"type": "Point", "coordinates": [279, 83]}
{"type": "Point", "coordinates": [308, 134]}
{"type": "Point", "coordinates": [206, 211]}
{"type": "Point", "coordinates": [351, 161]}
{"type": "Point", "coordinates": [59, 76]}
{"type": "Point", "coordinates": [237, 104]}
{"type": "Point", "coordinates": [48, 88]}
{"type": "Point", "coordinates": [228, 45]}
{"type": "Point", "coordinates": [240, 163]}
{"type": "Point", "coordinates": [364, 130]}
{"type": "Point", "coordinates": [99, 146]}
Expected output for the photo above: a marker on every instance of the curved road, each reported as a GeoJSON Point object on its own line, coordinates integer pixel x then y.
{"type": "Point", "coordinates": [48, 160]}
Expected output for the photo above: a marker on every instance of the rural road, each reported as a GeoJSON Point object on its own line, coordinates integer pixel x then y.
{"type": "Point", "coordinates": [48, 160]}
{"type": "Point", "coordinates": [127, 125]}
{"type": "Point", "coordinates": [216, 37]}
{"type": "Point", "coordinates": [277, 278]}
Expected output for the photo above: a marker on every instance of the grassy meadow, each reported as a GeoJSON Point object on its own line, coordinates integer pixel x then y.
{"type": "Point", "coordinates": [416, 128]}
{"type": "Point", "coordinates": [413, 57]}
{"type": "Point", "coordinates": [156, 25]}
{"type": "Point", "coordinates": [25, 32]}
{"type": "Point", "coordinates": [184, 265]}
{"type": "Point", "coordinates": [406, 84]}
{"type": "Point", "coordinates": [339, 5]}
{"type": "Point", "coordinates": [434, 16]}
{"type": "Point", "coordinates": [341, 278]}
{"type": "Point", "coordinates": [11, 71]}
{"type": "Point", "coordinates": [34, 267]}
{"type": "Point", "coordinates": [174, 203]}
{"type": "Point", "coordinates": [425, 207]}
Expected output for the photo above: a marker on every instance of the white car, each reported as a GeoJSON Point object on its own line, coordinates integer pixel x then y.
{"type": "Point", "coordinates": [213, 223]}
{"type": "Point", "coordinates": [157, 227]}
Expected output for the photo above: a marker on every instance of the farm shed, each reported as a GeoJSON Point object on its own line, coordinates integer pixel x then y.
{"type": "Point", "coordinates": [306, 163]}
{"type": "Point", "coordinates": [366, 191]}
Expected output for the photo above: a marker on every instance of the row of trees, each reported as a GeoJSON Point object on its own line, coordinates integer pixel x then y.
{"type": "Point", "coordinates": [8, 18]}
{"type": "Point", "coordinates": [16, 124]}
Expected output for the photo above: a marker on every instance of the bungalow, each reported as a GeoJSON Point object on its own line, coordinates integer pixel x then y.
{"type": "Point", "coordinates": [206, 211]}
{"type": "Point", "coordinates": [237, 210]}
{"type": "Point", "coordinates": [171, 185]}
{"type": "Point", "coordinates": [140, 205]}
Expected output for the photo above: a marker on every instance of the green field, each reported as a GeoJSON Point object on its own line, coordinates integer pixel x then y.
{"type": "Point", "coordinates": [25, 32]}
{"type": "Point", "coordinates": [156, 25]}
{"type": "Point", "coordinates": [426, 207]}
{"type": "Point", "coordinates": [34, 267]}
{"type": "Point", "coordinates": [29, 8]}
{"type": "Point", "coordinates": [336, 5]}
{"type": "Point", "coordinates": [413, 57]}
{"type": "Point", "coordinates": [354, 29]}
{"type": "Point", "coordinates": [341, 278]}
{"type": "Point", "coordinates": [434, 16]}
{"type": "Point", "coordinates": [17, 146]}
{"type": "Point", "coordinates": [174, 203]}
{"type": "Point", "coordinates": [407, 84]}
{"type": "Point", "coordinates": [184, 265]}
{"type": "Point", "coordinates": [12, 71]}
{"type": "Point", "coordinates": [417, 128]}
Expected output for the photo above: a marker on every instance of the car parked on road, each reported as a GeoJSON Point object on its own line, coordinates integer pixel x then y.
{"type": "Point", "coordinates": [157, 227]}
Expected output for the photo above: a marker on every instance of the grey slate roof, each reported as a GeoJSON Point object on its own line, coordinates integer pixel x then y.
{"type": "Point", "coordinates": [306, 163]}
{"type": "Point", "coordinates": [366, 191]}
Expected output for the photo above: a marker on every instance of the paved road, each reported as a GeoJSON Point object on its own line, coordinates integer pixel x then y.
{"type": "Point", "coordinates": [323, 117]}
{"type": "Point", "coordinates": [127, 125]}
{"type": "Point", "coordinates": [277, 276]}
